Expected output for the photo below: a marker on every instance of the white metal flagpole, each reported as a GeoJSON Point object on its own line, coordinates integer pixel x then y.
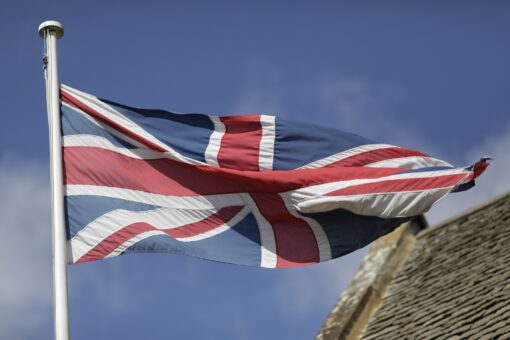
{"type": "Point", "coordinates": [50, 31]}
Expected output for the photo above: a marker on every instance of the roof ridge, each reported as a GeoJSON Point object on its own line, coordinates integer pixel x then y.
{"type": "Point", "coordinates": [463, 214]}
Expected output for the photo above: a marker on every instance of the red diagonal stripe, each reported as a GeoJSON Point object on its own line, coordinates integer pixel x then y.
{"type": "Point", "coordinates": [70, 99]}
{"type": "Point", "coordinates": [212, 222]}
{"type": "Point", "coordinates": [295, 241]}
{"type": "Point", "coordinates": [111, 243]}
{"type": "Point", "coordinates": [240, 144]}
{"type": "Point", "coordinates": [408, 184]}
{"type": "Point", "coordinates": [479, 167]}
{"type": "Point", "coordinates": [374, 156]}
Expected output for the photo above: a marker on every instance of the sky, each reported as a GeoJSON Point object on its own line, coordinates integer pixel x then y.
{"type": "Point", "coordinates": [429, 75]}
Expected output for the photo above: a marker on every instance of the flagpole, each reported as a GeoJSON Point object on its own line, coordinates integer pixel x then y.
{"type": "Point", "coordinates": [51, 31]}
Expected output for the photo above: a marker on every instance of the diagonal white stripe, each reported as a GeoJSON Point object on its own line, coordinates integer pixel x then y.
{"type": "Point", "coordinates": [135, 239]}
{"type": "Point", "coordinates": [103, 143]}
{"type": "Point", "coordinates": [113, 221]}
{"type": "Point", "coordinates": [177, 202]}
{"type": "Point", "coordinates": [411, 163]}
{"type": "Point", "coordinates": [345, 154]}
{"type": "Point", "coordinates": [236, 219]}
{"type": "Point", "coordinates": [119, 118]}
{"type": "Point", "coordinates": [105, 126]}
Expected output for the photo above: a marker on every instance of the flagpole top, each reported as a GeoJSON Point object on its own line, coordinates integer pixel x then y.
{"type": "Point", "coordinates": [51, 25]}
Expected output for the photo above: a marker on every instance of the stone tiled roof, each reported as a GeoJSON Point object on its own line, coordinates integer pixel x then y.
{"type": "Point", "coordinates": [364, 293]}
{"type": "Point", "coordinates": [455, 283]}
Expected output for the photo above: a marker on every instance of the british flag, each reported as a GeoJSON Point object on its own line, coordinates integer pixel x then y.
{"type": "Point", "coordinates": [245, 189]}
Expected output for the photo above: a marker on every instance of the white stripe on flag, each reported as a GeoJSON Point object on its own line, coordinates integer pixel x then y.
{"type": "Point", "coordinates": [386, 204]}
{"type": "Point", "coordinates": [267, 238]}
{"type": "Point", "coordinates": [140, 237]}
{"type": "Point", "coordinates": [266, 147]}
{"type": "Point", "coordinates": [211, 152]}
{"type": "Point", "coordinates": [321, 189]}
{"type": "Point", "coordinates": [103, 143]}
{"type": "Point", "coordinates": [231, 223]}
{"type": "Point", "coordinates": [411, 163]}
{"type": "Point", "coordinates": [117, 117]}
{"type": "Point", "coordinates": [178, 202]}
{"type": "Point", "coordinates": [345, 154]}
{"type": "Point", "coordinates": [113, 221]}
{"type": "Point", "coordinates": [105, 127]}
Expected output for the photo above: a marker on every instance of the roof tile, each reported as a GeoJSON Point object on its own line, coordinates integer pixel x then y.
{"type": "Point", "coordinates": [455, 283]}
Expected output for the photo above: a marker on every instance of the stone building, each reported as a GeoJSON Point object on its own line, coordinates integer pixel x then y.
{"type": "Point", "coordinates": [447, 282]}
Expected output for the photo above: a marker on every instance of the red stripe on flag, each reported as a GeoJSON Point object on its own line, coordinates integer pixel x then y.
{"type": "Point", "coordinates": [477, 169]}
{"type": "Point", "coordinates": [374, 156]}
{"type": "Point", "coordinates": [110, 243]}
{"type": "Point", "coordinates": [113, 241]}
{"type": "Point", "coordinates": [240, 144]}
{"type": "Point", "coordinates": [480, 166]}
{"type": "Point", "coordinates": [295, 241]}
{"type": "Point", "coordinates": [212, 222]}
{"type": "Point", "coordinates": [68, 98]}
{"type": "Point", "coordinates": [97, 166]}
{"type": "Point", "coordinates": [408, 184]}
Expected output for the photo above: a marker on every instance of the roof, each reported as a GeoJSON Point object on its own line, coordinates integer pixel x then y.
{"type": "Point", "coordinates": [454, 283]}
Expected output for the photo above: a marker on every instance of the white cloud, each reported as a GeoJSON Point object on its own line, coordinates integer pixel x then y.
{"type": "Point", "coordinates": [25, 288]}
{"type": "Point", "coordinates": [368, 108]}
{"type": "Point", "coordinates": [26, 298]}
{"type": "Point", "coordinates": [492, 183]}
{"type": "Point", "coordinates": [262, 91]}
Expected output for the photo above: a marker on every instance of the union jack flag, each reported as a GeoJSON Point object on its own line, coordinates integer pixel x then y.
{"type": "Point", "coordinates": [245, 189]}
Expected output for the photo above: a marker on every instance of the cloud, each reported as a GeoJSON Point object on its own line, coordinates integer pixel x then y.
{"type": "Point", "coordinates": [26, 298]}
{"type": "Point", "coordinates": [25, 255]}
{"type": "Point", "coordinates": [492, 183]}
{"type": "Point", "coordinates": [368, 108]}
{"type": "Point", "coordinates": [262, 91]}
{"type": "Point", "coordinates": [350, 101]}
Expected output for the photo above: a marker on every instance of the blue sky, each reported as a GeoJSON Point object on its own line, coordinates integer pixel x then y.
{"type": "Point", "coordinates": [426, 75]}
